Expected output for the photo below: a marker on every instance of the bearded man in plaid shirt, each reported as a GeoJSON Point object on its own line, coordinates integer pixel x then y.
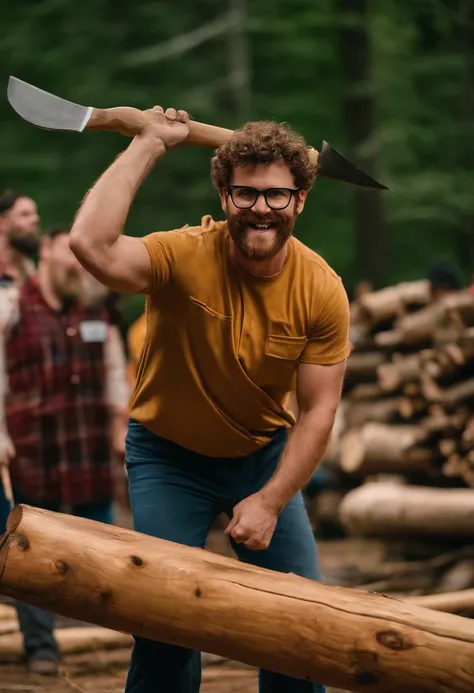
{"type": "Point", "coordinates": [67, 394]}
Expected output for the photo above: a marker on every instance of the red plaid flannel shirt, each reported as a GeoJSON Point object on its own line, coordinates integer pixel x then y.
{"type": "Point", "coordinates": [56, 410]}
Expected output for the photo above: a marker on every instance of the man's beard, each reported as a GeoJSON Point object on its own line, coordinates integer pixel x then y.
{"type": "Point", "coordinates": [281, 228]}
{"type": "Point", "coordinates": [25, 243]}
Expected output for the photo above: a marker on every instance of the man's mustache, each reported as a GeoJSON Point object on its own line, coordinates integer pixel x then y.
{"type": "Point", "coordinates": [259, 219]}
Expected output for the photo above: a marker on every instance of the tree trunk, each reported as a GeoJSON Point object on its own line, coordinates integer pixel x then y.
{"type": "Point", "coordinates": [137, 584]}
{"type": "Point", "coordinates": [379, 509]}
{"type": "Point", "coordinates": [371, 231]}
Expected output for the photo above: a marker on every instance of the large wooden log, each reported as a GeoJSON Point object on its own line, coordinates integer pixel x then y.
{"type": "Point", "coordinates": [133, 583]}
{"type": "Point", "coordinates": [379, 447]}
{"type": "Point", "coordinates": [379, 410]}
{"type": "Point", "coordinates": [442, 321]}
{"type": "Point", "coordinates": [461, 602]}
{"type": "Point", "coordinates": [381, 509]}
{"type": "Point", "coordinates": [363, 366]}
{"type": "Point", "coordinates": [402, 370]}
{"type": "Point", "coordinates": [392, 301]}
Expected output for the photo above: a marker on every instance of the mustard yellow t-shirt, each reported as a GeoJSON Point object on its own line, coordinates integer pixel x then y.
{"type": "Point", "coordinates": [222, 346]}
{"type": "Point", "coordinates": [135, 340]}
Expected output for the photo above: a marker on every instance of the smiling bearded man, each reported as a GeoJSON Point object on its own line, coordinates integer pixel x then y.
{"type": "Point", "coordinates": [237, 310]}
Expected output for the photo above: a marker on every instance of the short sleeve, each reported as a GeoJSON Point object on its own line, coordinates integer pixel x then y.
{"type": "Point", "coordinates": [160, 246]}
{"type": "Point", "coordinates": [329, 339]}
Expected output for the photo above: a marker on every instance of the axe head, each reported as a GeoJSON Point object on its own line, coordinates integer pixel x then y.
{"type": "Point", "coordinates": [333, 165]}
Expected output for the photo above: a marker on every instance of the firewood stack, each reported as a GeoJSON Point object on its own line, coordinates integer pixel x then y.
{"type": "Point", "coordinates": [409, 395]}
{"type": "Point", "coordinates": [408, 403]}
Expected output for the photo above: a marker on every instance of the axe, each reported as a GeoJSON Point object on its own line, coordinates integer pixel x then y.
{"type": "Point", "coordinates": [51, 112]}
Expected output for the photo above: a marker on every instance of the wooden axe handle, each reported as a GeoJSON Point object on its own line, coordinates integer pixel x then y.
{"type": "Point", "coordinates": [129, 121]}
{"type": "Point", "coordinates": [7, 484]}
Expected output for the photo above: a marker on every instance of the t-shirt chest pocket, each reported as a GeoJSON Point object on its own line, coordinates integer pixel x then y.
{"type": "Point", "coordinates": [280, 360]}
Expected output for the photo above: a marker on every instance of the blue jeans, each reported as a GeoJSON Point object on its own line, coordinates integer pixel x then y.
{"type": "Point", "coordinates": [36, 624]}
{"type": "Point", "coordinates": [176, 494]}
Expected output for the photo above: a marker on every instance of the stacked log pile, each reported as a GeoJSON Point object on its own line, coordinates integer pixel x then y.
{"type": "Point", "coordinates": [403, 447]}
{"type": "Point", "coordinates": [410, 385]}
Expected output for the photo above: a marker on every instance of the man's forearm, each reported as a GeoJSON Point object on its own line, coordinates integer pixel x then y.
{"type": "Point", "coordinates": [102, 215]}
{"type": "Point", "coordinates": [303, 452]}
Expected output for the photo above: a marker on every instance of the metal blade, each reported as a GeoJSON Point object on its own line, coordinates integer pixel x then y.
{"type": "Point", "coordinates": [333, 165]}
{"type": "Point", "coordinates": [46, 110]}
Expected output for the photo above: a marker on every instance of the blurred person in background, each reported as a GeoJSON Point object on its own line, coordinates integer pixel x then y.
{"type": "Point", "coordinates": [19, 240]}
{"type": "Point", "coordinates": [64, 396]}
{"type": "Point", "coordinates": [444, 278]}
{"type": "Point", "coordinates": [19, 235]}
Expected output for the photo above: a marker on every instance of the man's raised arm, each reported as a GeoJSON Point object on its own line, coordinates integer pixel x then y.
{"type": "Point", "coordinates": [122, 262]}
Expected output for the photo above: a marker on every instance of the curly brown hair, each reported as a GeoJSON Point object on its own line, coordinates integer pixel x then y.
{"type": "Point", "coordinates": [263, 142]}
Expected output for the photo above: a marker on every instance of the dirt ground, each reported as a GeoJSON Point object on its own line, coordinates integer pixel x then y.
{"type": "Point", "coordinates": [105, 672]}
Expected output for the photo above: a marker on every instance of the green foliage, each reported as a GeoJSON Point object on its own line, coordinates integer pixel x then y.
{"type": "Point", "coordinates": [105, 54]}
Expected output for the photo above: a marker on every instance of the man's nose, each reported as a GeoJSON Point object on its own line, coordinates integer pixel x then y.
{"type": "Point", "coordinates": [261, 206]}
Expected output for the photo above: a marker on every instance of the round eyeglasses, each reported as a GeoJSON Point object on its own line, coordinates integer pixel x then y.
{"type": "Point", "coordinates": [244, 197]}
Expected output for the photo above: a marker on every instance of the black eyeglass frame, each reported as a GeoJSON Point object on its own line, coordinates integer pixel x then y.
{"type": "Point", "coordinates": [257, 192]}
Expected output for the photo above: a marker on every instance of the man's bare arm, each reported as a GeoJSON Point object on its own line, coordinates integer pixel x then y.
{"type": "Point", "coordinates": [318, 394]}
{"type": "Point", "coordinates": [122, 262]}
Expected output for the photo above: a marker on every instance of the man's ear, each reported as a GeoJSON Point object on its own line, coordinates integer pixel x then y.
{"type": "Point", "coordinates": [300, 200]}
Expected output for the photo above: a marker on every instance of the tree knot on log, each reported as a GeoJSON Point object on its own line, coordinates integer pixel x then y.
{"type": "Point", "coordinates": [362, 661]}
{"type": "Point", "coordinates": [106, 599]}
{"type": "Point", "coordinates": [137, 561]}
{"type": "Point", "coordinates": [61, 567]}
{"type": "Point", "coordinates": [21, 541]}
{"type": "Point", "coordinates": [393, 640]}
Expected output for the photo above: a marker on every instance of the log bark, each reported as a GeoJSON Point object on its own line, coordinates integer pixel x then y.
{"type": "Point", "coordinates": [382, 448]}
{"type": "Point", "coordinates": [380, 410]}
{"type": "Point", "coordinates": [70, 641]}
{"type": "Point", "coordinates": [402, 370]}
{"type": "Point", "coordinates": [381, 509]}
{"type": "Point", "coordinates": [364, 365]}
{"type": "Point", "coordinates": [366, 391]}
{"type": "Point", "coordinates": [443, 321]}
{"type": "Point", "coordinates": [392, 301]}
{"type": "Point", "coordinates": [137, 584]}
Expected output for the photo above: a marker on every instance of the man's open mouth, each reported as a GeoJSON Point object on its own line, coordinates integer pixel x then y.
{"type": "Point", "coordinates": [261, 227]}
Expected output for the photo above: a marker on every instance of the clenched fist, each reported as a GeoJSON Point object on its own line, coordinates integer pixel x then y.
{"type": "Point", "coordinates": [253, 523]}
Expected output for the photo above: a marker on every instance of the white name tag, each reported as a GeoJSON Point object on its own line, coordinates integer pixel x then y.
{"type": "Point", "coordinates": [93, 330]}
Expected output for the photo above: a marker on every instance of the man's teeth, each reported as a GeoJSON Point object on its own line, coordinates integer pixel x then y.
{"type": "Point", "coordinates": [261, 226]}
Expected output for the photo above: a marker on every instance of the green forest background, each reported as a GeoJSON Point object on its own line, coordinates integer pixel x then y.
{"type": "Point", "coordinates": [388, 83]}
